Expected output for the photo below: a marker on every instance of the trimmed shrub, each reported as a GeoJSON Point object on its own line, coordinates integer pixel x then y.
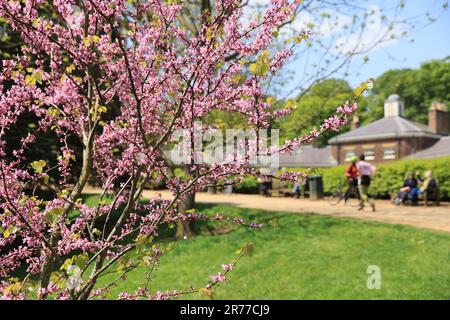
{"type": "Point", "coordinates": [248, 186]}
{"type": "Point", "coordinates": [390, 176]}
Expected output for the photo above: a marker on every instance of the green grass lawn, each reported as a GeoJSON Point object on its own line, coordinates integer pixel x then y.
{"type": "Point", "coordinates": [308, 257]}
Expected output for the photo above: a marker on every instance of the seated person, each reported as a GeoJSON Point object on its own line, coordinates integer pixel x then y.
{"type": "Point", "coordinates": [429, 184]}
{"type": "Point", "coordinates": [409, 190]}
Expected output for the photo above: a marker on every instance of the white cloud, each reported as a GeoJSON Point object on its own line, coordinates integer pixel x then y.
{"type": "Point", "coordinates": [327, 24]}
{"type": "Point", "coordinates": [344, 32]}
{"type": "Point", "coordinates": [324, 25]}
{"type": "Point", "coordinates": [379, 31]}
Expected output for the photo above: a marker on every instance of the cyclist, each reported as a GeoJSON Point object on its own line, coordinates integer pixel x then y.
{"type": "Point", "coordinates": [352, 176]}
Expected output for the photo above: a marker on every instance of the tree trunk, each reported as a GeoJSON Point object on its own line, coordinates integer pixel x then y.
{"type": "Point", "coordinates": [184, 228]}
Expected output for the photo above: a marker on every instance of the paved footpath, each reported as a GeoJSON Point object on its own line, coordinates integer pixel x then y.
{"type": "Point", "coordinates": [436, 218]}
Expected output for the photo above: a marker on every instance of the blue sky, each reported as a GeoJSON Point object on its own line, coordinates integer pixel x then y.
{"type": "Point", "coordinates": [432, 42]}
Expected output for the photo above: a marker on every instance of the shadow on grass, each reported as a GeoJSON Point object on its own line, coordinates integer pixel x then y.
{"type": "Point", "coordinates": [309, 223]}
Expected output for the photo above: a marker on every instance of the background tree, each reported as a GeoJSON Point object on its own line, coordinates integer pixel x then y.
{"type": "Point", "coordinates": [320, 101]}
{"type": "Point", "coordinates": [417, 87]}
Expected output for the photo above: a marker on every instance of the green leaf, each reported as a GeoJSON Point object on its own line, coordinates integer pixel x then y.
{"type": "Point", "coordinates": [366, 85]}
{"type": "Point", "coordinates": [66, 264]}
{"type": "Point", "coordinates": [359, 91]}
{"type": "Point", "coordinates": [38, 76]}
{"type": "Point", "coordinates": [34, 77]}
{"type": "Point", "coordinates": [73, 270]}
{"type": "Point", "coordinates": [370, 83]}
{"type": "Point", "coordinates": [300, 38]}
{"type": "Point", "coordinates": [30, 80]}
{"type": "Point", "coordinates": [53, 112]}
{"type": "Point", "coordinates": [8, 232]}
{"type": "Point", "coordinates": [70, 69]}
{"type": "Point", "coordinates": [38, 166]}
{"type": "Point", "coordinates": [55, 277]}
{"type": "Point", "coordinates": [53, 214]}
{"type": "Point", "coordinates": [13, 289]}
{"type": "Point", "coordinates": [81, 259]}
{"type": "Point", "coordinates": [87, 41]}
{"type": "Point", "coordinates": [248, 249]}
{"type": "Point", "coordinates": [102, 109]}
{"type": "Point", "coordinates": [207, 292]}
{"type": "Point", "coordinates": [261, 66]}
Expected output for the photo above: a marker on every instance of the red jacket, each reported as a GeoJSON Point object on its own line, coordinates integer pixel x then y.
{"type": "Point", "coordinates": [352, 171]}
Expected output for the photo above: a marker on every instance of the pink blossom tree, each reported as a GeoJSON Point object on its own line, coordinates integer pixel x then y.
{"type": "Point", "coordinates": [121, 78]}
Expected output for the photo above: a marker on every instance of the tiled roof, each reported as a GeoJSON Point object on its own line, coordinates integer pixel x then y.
{"type": "Point", "coordinates": [386, 128]}
{"type": "Point", "coordinates": [439, 149]}
{"type": "Point", "coordinates": [308, 156]}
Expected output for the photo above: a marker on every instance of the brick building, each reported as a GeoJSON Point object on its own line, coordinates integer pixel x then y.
{"type": "Point", "coordinates": [391, 137]}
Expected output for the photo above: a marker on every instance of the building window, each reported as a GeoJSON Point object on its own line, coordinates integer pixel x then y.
{"type": "Point", "coordinates": [389, 153]}
{"type": "Point", "coordinates": [349, 154]}
{"type": "Point", "coordinates": [369, 154]}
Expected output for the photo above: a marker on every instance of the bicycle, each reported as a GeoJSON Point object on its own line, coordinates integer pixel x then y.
{"type": "Point", "coordinates": [338, 195]}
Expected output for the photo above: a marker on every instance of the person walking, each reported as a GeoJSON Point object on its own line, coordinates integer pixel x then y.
{"type": "Point", "coordinates": [352, 176]}
{"type": "Point", "coordinates": [365, 173]}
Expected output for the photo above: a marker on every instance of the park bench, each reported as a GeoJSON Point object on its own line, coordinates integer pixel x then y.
{"type": "Point", "coordinates": [432, 195]}
{"type": "Point", "coordinates": [427, 197]}
{"type": "Point", "coordinates": [281, 189]}
{"type": "Point", "coordinates": [284, 192]}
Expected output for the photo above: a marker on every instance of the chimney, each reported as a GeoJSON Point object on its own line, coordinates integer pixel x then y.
{"type": "Point", "coordinates": [438, 118]}
{"type": "Point", "coordinates": [355, 122]}
{"type": "Point", "coordinates": [394, 106]}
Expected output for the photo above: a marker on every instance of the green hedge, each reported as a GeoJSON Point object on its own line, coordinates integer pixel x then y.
{"type": "Point", "coordinates": [389, 177]}
{"type": "Point", "coordinates": [248, 186]}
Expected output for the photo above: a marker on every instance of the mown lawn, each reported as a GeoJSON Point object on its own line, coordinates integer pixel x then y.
{"type": "Point", "coordinates": [307, 257]}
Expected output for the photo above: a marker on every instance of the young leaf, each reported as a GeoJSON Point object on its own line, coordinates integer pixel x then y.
{"type": "Point", "coordinates": [38, 76]}
{"type": "Point", "coordinates": [38, 166]}
{"type": "Point", "coordinates": [207, 292]}
{"type": "Point", "coordinates": [8, 232]}
{"type": "Point", "coordinates": [70, 69]}
{"type": "Point", "coordinates": [30, 80]}
{"type": "Point", "coordinates": [248, 249]}
{"type": "Point", "coordinates": [66, 264]}
{"type": "Point", "coordinates": [53, 214]}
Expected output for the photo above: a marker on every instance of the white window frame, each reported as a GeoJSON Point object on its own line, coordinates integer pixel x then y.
{"type": "Point", "coordinates": [371, 156]}
{"type": "Point", "coordinates": [392, 155]}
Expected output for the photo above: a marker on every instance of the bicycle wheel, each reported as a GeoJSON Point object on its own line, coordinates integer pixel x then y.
{"type": "Point", "coordinates": [335, 197]}
{"type": "Point", "coordinates": [353, 198]}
